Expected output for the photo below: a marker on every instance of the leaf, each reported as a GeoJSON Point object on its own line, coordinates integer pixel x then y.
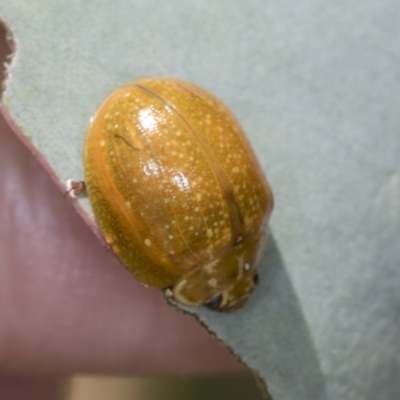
{"type": "Point", "coordinates": [316, 86]}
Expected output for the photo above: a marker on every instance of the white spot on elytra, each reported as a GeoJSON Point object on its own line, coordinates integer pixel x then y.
{"type": "Point", "coordinates": [212, 282]}
{"type": "Point", "coordinates": [147, 242]}
{"type": "Point", "coordinates": [209, 268]}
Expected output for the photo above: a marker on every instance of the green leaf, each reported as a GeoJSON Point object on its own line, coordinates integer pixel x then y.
{"type": "Point", "coordinates": [316, 86]}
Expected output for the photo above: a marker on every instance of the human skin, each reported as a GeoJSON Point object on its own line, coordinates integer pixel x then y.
{"type": "Point", "coordinates": [67, 306]}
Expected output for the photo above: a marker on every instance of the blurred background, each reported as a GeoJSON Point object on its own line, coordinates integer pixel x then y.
{"type": "Point", "coordinates": [233, 387]}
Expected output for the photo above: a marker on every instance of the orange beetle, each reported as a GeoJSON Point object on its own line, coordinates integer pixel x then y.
{"type": "Point", "coordinates": [177, 191]}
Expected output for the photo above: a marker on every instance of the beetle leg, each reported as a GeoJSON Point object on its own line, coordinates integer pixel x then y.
{"type": "Point", "coordinates": [75, 189]}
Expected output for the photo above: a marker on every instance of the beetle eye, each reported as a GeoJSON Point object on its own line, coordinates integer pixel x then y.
{"type": "Point", "coordinates": [215, 302]}
{"type": "Point", "coordinates": [256, 278]}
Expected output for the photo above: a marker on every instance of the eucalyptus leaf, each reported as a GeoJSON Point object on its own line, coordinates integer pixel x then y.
{"type": "Point", "coordinates": [316, 86]}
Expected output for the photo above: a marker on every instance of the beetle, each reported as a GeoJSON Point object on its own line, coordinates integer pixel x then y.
{"type": "Point", "coordinates": [177, 191]}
